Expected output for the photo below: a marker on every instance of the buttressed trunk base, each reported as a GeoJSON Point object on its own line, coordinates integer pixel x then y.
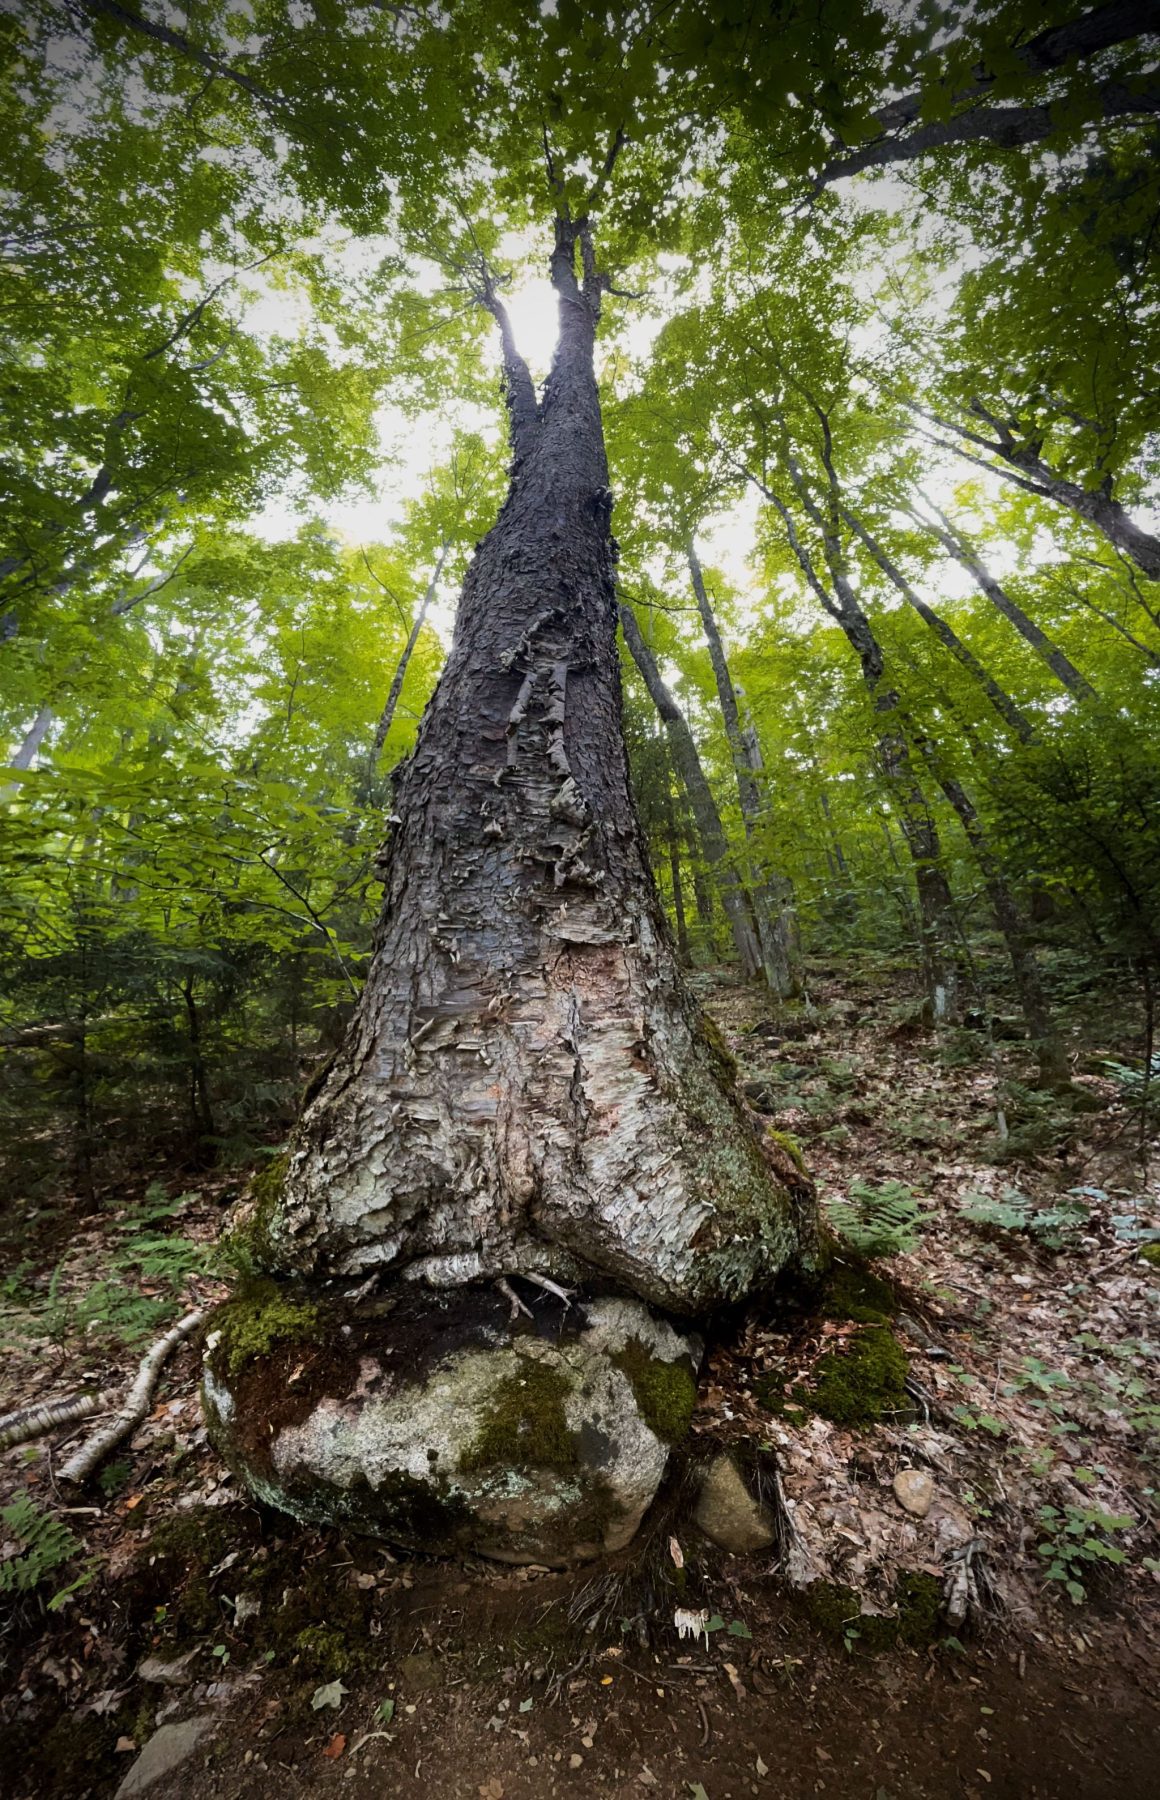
{"type": "Point", "coordinates": [526, 1090]}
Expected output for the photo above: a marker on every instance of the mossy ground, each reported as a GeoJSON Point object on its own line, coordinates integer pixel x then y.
{"type": "Point", "coordinates": [917, 1608]}
{"type": "Point", "coordinates": [665, 1392]}
{"type": "Point", "coordinates": [865, 1379]}
{"type": "Point", "coordinates": [861, 1383]}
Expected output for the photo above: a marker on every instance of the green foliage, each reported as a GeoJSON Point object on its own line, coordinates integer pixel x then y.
{"type": "Point", "coordinates": [1073, 1538]}
{"type": "Point", "coordinates": [1053, 1227]}
{"type": "Point", "coordinates": [882, 1220]}
{"type": "Point", "coordinates": [44, 1544]}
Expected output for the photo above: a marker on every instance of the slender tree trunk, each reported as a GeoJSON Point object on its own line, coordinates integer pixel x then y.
{"type": "Point", "coordinates": [674, 844]}
{"type": "Point", "coordinates": [710, 830]}
{"type": "Point", "coordinates": [387, 716]}
{"type": "Point", "coordinates": [1008, 711]}
{"type": "Point", "coordinates": [526, 1084]}
{"type": "Point", "coordinates": [938, 935]}
{"type": "Point", "coordinates": [1048, 1046]}
{"type": "Point", "coordinates": [1021, 463]}
{"type": "Point", "coordinates": [1044, 647]}
{"type": "Point", "coordinates": [772, 898]}
{"type": "Point", "coordinates": [201, 1109]}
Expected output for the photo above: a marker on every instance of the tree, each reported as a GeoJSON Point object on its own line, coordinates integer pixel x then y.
{"type": "Point", "coordinates": [527, 1106]}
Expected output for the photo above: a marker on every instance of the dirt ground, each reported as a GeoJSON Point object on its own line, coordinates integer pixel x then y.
{"type": "Point", "coordinates": [1028, 1318]}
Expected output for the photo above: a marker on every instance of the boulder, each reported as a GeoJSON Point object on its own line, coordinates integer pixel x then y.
{"type": "Point", "coordinates": [439, 1423]}
{"type": "Point", "coordinates": [165, 1751]}
{"type": "Point", "coordinates": [914, 1491]}
{"type": "Point", "coordinates": [727, 1512]}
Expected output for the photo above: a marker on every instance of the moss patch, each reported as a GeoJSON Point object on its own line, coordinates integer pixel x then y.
{"type": "Point", "coordinates": [665, 1392]}
{"type": "Point", "coordinates": [861, 1383]}
{"type": "Point", "coordinates": [852, 1292]}
{"type": "Point", "coordinates": [258, 1318]}
{"type": "Point", "coordinates": [786, 1141]}
{"type": "Point", "coordinates": [525, 1426]}
{"type": "Point", "coordinates": [1151, 1254]}
{"type": "Point", "coordinates": [917, 1602]}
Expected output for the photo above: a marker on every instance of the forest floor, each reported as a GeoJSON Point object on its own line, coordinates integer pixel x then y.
{"type": "Point", "coordinates": [314, 1663]}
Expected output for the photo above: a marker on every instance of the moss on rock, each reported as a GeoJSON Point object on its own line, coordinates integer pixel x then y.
{"type": "Point", "coordinates": [525, 1427]}
{"type": "Point", "coordinates": [665, 1392]}
{"type": "Point", "coordinates": [260, 1316]}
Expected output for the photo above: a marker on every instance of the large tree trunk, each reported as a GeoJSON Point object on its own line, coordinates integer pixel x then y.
{"type": "Point", "coordinates": [772, 897]}
{"type": "Point", "coordinates": [527, 1086]}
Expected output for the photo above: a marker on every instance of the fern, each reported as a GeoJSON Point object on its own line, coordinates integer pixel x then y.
{"type": "Point", "coordinates": [45, 1544]}
{"type": "Point", "coordinates": [878, 1221]}
{"type": "Point", "coordinates": [1051, 1226]}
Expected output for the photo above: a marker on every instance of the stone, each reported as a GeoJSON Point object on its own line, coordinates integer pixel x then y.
{"type": "Point", "coordinates": [165, 1751]}
{"type": "Point", "coordinates": [439, 1423]}
{"type": "Point", "coordinates": [727, 1512]}
{"type": "Point", "coordinates": [914, 1491]}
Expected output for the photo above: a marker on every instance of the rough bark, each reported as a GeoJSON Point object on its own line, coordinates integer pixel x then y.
{"type": "Point", "coordinates": [771, 897]}
{"type": "Point", "coordinates": [710, 830]}
{"type": "Point", "coordinates": [527, 1086]}
{"type": "Point", "coordinates": [1045, 648]}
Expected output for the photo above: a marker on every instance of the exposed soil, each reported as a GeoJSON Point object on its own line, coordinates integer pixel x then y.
{"type": "Point", "coordinates": [512, 1684]}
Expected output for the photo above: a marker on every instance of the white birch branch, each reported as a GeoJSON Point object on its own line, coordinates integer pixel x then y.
{"type": "Point", "coordinates": [93, 1452]}
{"type": "Point", "coordinates": [29, 1422]}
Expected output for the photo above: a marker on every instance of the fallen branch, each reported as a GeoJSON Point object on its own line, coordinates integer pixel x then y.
{"type": "Point", "coordinates": [29, 1422]}
{"type": "Point", "coordinates": [82, 1463]}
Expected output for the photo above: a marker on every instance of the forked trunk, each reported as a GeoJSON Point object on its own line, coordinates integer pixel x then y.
{"type": "Point", "coordinates": [526, 1086]}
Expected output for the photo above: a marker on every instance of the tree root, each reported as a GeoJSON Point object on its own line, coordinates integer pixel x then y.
{"type": "Point", "coordinates": [91, 1454]}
